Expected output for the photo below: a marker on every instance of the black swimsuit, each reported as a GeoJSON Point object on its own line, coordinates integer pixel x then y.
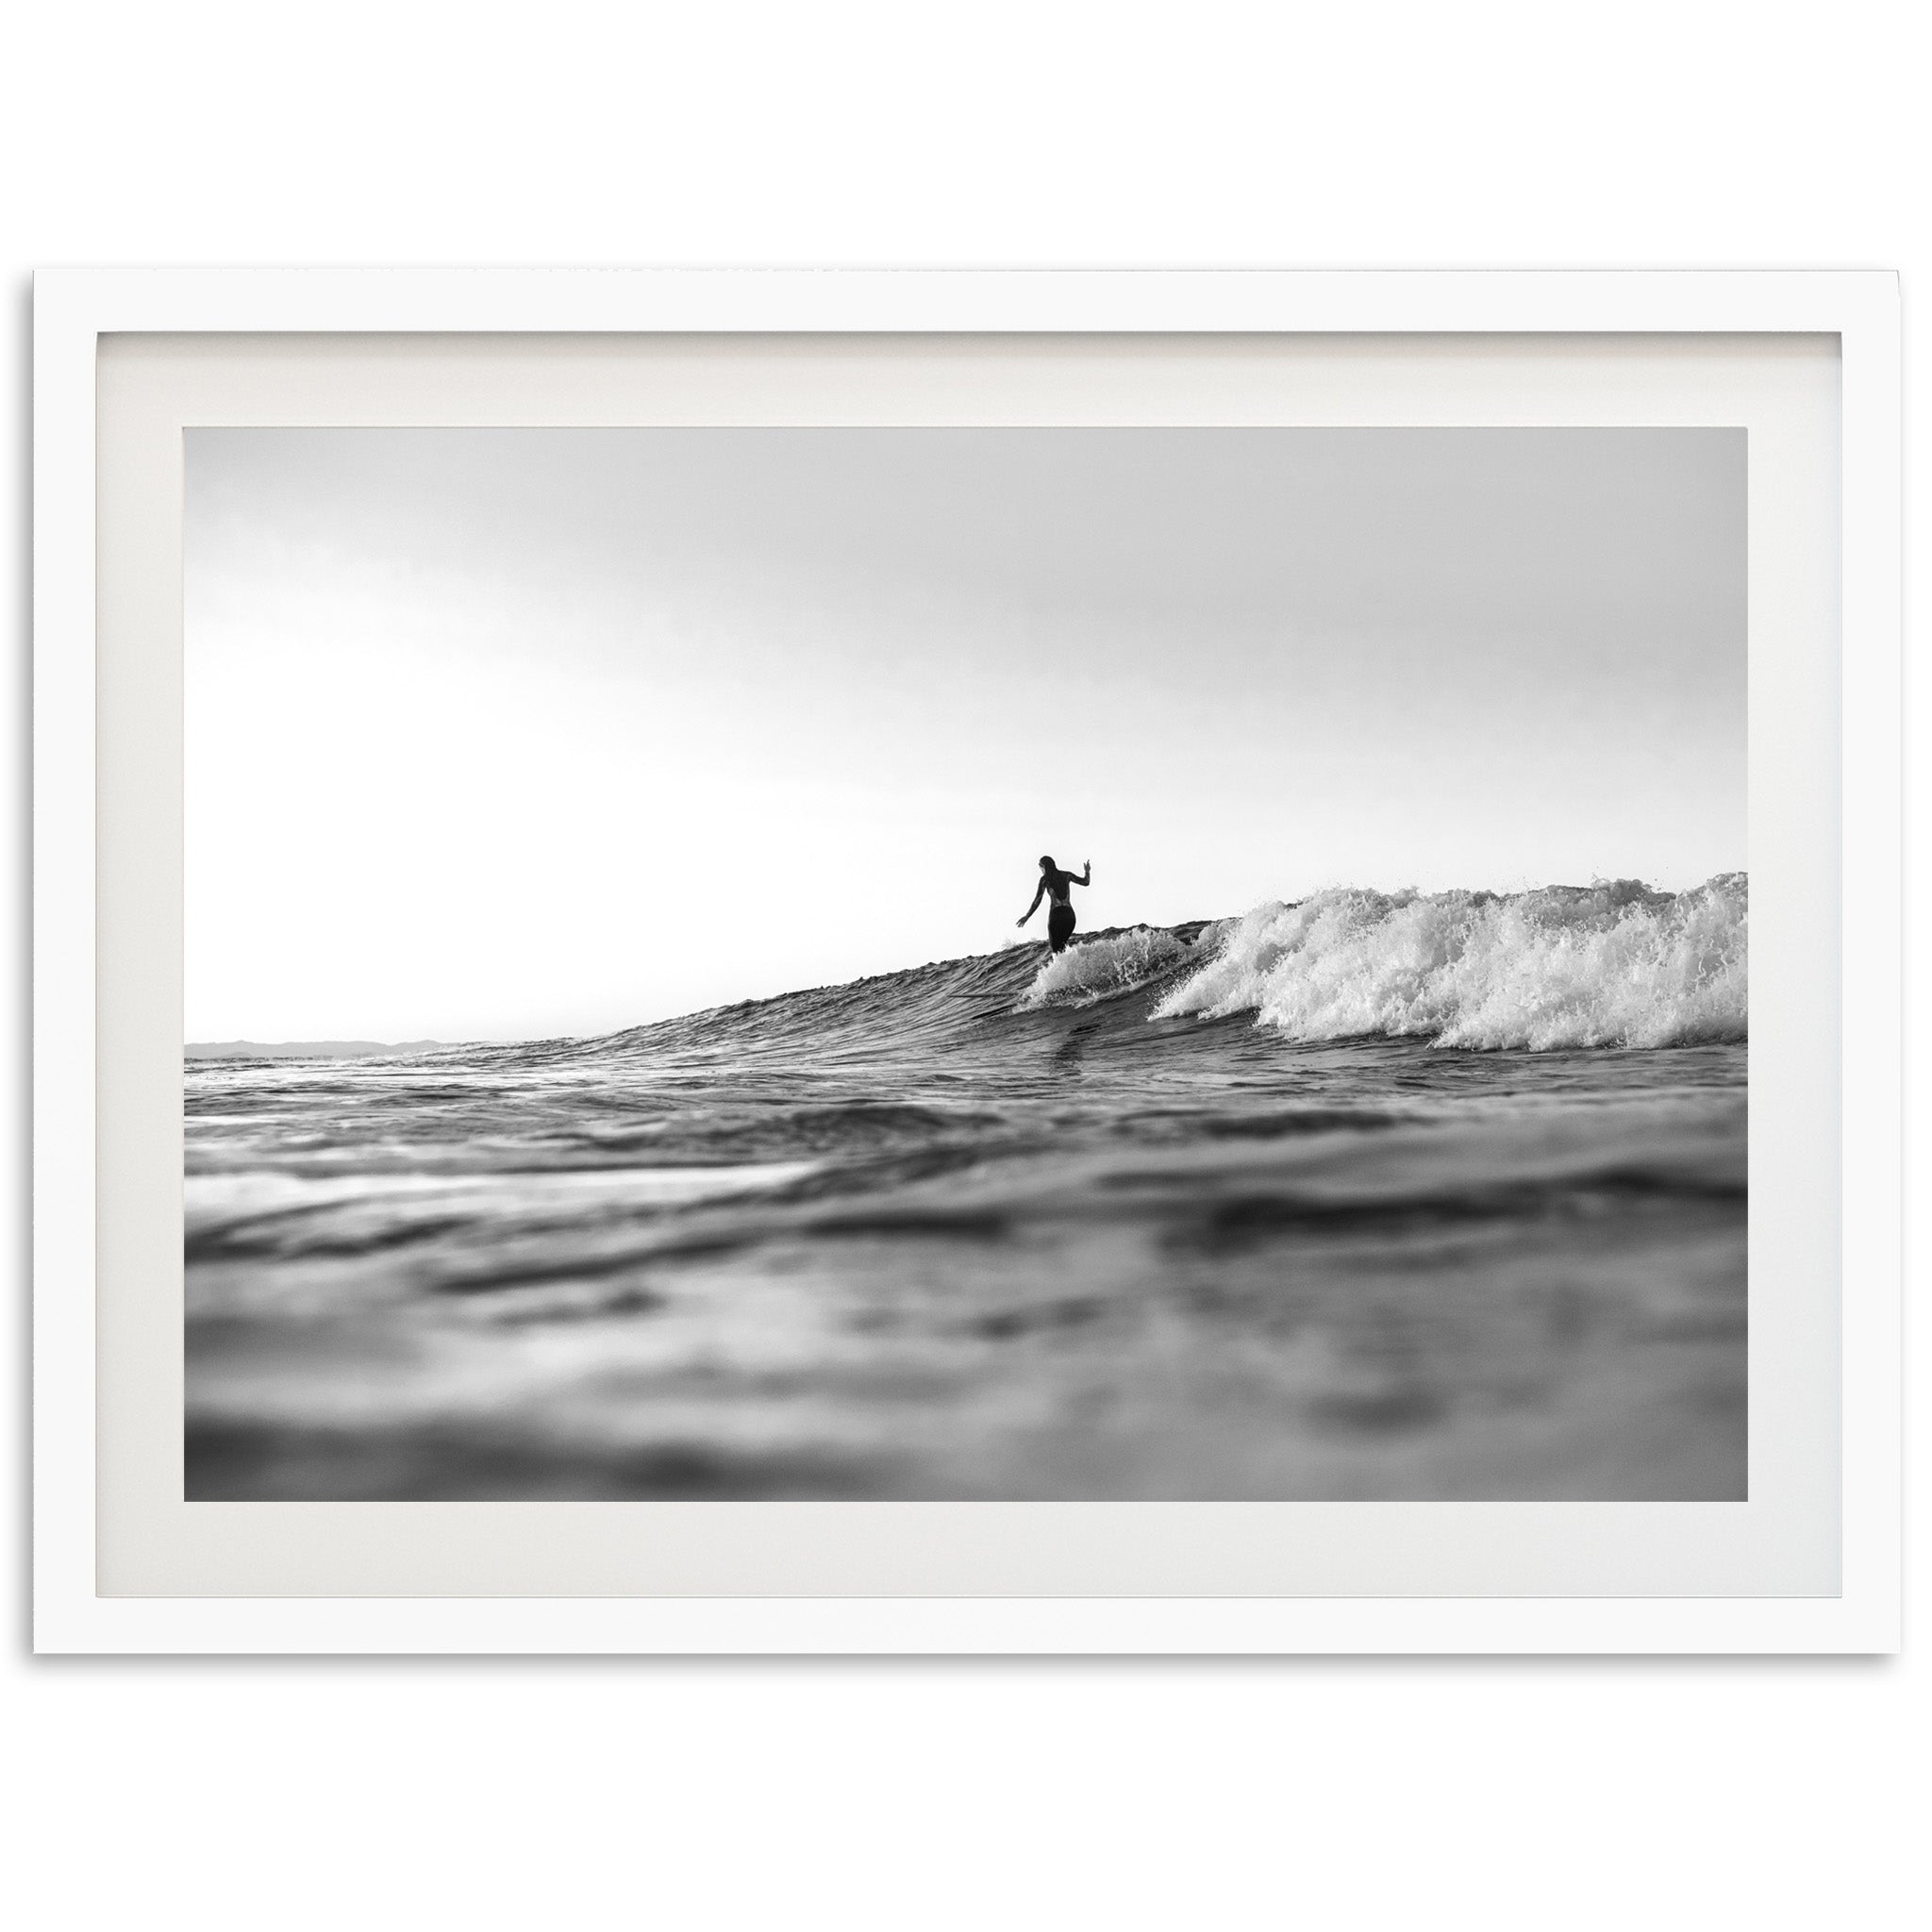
{"type": "Point", "coordinates": [1059, 924]}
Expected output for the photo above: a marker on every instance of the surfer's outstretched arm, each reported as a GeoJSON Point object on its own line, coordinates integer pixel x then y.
{"type": "Point", "coordinates": [1085, 877]}
{"type": "Point", "coordinates": [1038, 894]}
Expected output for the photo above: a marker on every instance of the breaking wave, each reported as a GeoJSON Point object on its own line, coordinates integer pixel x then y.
{"type": "Point", "coordinates": [1609, 964]}
{"type": "Point", "coordinates": [1109, 964]}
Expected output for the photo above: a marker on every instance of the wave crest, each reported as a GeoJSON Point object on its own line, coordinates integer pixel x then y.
{"type": "Point", "coordinates": [1611, 964]}
{"type": "Point", "coordinates": [1103, 967]}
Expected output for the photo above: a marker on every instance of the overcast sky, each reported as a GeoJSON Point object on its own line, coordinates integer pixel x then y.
{"type": "Point", "coordinates": [508, 733]}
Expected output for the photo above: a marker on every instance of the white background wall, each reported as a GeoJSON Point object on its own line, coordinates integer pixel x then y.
{"type": "Point", "coordinates": [1038, 135]}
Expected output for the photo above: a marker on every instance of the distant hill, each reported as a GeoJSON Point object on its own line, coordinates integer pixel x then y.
{"type": "Point", "coordinates": [303, 1049]}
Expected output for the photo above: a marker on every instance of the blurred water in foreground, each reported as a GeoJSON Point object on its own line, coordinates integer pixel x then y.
{"type": "Point", "coordinates": [977, 1230]}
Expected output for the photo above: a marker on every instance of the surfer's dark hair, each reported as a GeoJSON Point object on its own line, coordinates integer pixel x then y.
{"type": "Point", "coordinates": [1046, 858]}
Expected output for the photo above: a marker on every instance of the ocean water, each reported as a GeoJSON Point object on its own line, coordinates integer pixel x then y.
{"type": "Point", "coordinates": [1369, 1196]}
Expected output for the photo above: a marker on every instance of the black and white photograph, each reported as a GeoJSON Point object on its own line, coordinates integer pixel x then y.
{"type": "Point", "coordinates": [1033, 963]}
{"type": "Point", "coordinates": [888, 1040]}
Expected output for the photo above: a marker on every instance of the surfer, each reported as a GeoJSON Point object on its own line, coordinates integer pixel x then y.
{"type": "Point", "coordinates": [1056, 885]}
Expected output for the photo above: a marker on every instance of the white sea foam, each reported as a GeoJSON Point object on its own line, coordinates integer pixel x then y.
{"type": "Point", "coordinates": [1609, 964]}
{"type": "Point", "coordinates": [1098, 968]}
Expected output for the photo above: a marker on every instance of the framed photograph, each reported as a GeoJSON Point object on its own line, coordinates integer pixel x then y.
{"type": "Point", "coordinates": [966, 962]}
